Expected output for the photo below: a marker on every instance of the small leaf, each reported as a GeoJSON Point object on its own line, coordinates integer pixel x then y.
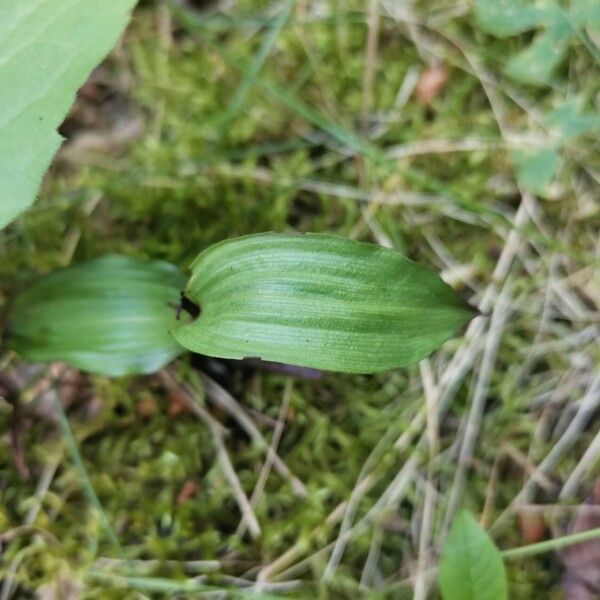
{"type": "Point", "coordinates": [536, 64]}
{"type": "Point", "coordinates": [471, 566]}
{"type": "Point", "coordinates": [431, 82]}
{"type": "Point", "coordinates": [536, 169]}
{"type": "Point", "coordinates": [317, 301]}
{"type": "Point", "coordinates": [47, 49]}
{"type": "Point", "coordinates": [504, 18]}
{"type": "Point", "coordinates": [111, 315]}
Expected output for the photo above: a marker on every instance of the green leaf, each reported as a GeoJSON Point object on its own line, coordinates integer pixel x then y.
{"type": "Point", "coordinates": [111, 315]}
{"type": "Point", "coordinates": [317, 301]}
{"type": "Point", "coordinates": [536, 64]}
{"type": "Point", "coordinates": [47, 49]}
{"type": "Point", "coordinates": [504, 18]}
{"type": "Point", "coordinates": [471, 566]}
{"type": "Point", "coordinates": [535, 169]}
{"type": "Point", "coordinates": [586, 13]}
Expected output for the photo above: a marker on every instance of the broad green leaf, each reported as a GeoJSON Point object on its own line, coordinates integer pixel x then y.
{"type": "Point", "coordinates": [47, 49]}
{"type": "Point", "coordinates": [535, 169]}
{"type": "Point", "coordinates": [317, 301]}
{"type": "Point", "coordinates": [471, 566]}
{"type": "Point", "coordinates": [111, 315]}
{"type": "Point", "coordinates": [504, 18]}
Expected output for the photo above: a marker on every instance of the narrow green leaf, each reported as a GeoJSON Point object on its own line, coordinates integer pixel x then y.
{"type": "Point", "coordinates": [257, 64]}
{"type": "Point", "coordinates": [47, 50]}
{"type": "Point", "coordinates": [111, 315]}
{"type": "Point", "coordinates": [471, 566]}
{"type": "Point", "coordinates": [317, 301]}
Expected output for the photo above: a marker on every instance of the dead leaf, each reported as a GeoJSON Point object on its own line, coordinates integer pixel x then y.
{"type": "Point", "coordinates": [177, 405]}
{"type": "Point", "coordinates": [431, 82]}
{"type": "Point", "coordinates": [532, 526]}
{"type": "Point", "coordinates": [189, 489]}
{"type": "Point", "coordinates": [147, 406]}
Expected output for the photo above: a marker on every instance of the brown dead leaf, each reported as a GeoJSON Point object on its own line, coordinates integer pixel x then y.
{"type": "Point", "coordinates": [177, 405]}
{"type": "Point", "coordinates": [147, 407]}
{"type": "Point", "coordinates": [188, 490]}
{"type": "Point", "coordinates": [532, 526]}
{"type": "Point", "coordinates": [431, 82]}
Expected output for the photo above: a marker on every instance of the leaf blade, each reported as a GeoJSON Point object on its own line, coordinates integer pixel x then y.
{"type": "Point", "coordinates": [111, 315]}
{"type": "Point", "coordinates": [507, 18]}
{"type": "Point", "coordinates": [47, 49]}
{"type": "Point", "coordinates": [317, 301]}
{"type": "Point", "coordinates": [471, 567]}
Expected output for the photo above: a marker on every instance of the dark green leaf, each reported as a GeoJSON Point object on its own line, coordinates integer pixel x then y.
{"type": "Point", "coordinates": [111, 315]}
{"type": "Point", "coordinates": [471, 566]}
{"type": "Point", "coordinates": [317, 301]}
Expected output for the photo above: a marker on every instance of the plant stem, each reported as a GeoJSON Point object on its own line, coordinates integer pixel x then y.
{"type": "Point", "coordinates": [555, 544]}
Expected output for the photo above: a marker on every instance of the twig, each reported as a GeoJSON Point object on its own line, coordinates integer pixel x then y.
{"type": "Point", "coordinates": [216, 431]}
{"type": "Point", "coordinates": [588, 406]}
{"type": "Point", "coordinates": [266, 468]}
{"type": "Point", "coordinates": [588, 459]}
{"type": "Point", "coordinates": [498, 321]}
{"type": "Point", "coordinates": [431, 394]}
{"type": "Point", "coordinates": [390, 497]}
{"type": "Point", "coordinates": [370, 567]}
{"type": "Point", "coordinates": [225, 401]}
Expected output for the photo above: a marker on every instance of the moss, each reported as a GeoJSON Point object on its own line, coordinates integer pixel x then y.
{"type": "Point", "coordinates": [194, 178]}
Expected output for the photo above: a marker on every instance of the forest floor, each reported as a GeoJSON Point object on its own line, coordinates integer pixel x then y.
{"type": "Point", "coordinates": [465, 136]}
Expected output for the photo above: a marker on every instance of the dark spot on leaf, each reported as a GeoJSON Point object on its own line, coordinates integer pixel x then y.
{"type": "Point", "coordinates": [190, 307]}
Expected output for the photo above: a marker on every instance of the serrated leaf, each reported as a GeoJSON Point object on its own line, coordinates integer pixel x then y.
{"type": "Point", "coordinates": [471, 567]}
{"type": "Point", "coordinates": [47, 49]}
{"type": "Point", "coordinates": [535, 169]}
{"type": "Point", "coordinates": [111, 315]}
{"type": "Point", "coordinates": [504, 18]}
{"type": "Point", "coordinates": [317, 301]}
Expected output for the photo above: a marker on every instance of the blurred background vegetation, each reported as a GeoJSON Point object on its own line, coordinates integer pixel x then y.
{"type": "Point", "coordinates": [464, 135]}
